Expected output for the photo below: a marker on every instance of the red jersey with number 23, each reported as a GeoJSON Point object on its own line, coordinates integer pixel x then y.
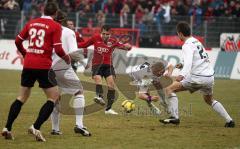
{"type": "Point", "coordinates": [42, 34]}
{"type": "Point", "coordinates": [102, 51]}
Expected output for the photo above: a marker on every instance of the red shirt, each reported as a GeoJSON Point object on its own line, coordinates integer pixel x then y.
{"type": "Point", "coordinates": [102, 51]}
{"type": "Point", "coordinates": [43, 34]}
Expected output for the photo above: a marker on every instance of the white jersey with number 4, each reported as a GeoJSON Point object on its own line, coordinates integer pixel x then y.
{"type": "Point", "coordinates": [195, 60]}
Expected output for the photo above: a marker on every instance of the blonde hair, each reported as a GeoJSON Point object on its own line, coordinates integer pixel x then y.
{"type": "Point", "coordinates": [158, 66]}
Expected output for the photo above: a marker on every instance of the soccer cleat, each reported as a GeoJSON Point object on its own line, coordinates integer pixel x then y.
{"type": "Point", "coordinates": [110, 111]}
{"type": "Point", "coordinates": [55, 132]}
{"type": "Point", "coordinates": [99, 100]}
{"type": "Point", "coordinates": [170, 120]}
{"type": "Point", "coordinates": [7, 134]}
{"type": "Point", "coordinates": [230, 124]}
{"type": "Point", "coordinates": [37, 133]}
{"type": "Point", "coordinates": [83, 131]}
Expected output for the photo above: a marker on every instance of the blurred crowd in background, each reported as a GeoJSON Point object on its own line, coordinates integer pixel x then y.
{"type": "Point", "coordinates": [153, 18]}
{"type": "Point", "coordinates": [141, 8]}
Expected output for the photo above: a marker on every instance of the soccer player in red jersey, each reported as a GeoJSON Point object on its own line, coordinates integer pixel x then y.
{"type": "Point", "coordinates": [104, 46]}
{"type": "Point", "coordinates": [44, 35]}
{"type": "Point", "coordinates": [70, 24]}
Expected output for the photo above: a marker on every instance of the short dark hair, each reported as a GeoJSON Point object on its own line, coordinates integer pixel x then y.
{"type": "Point", "coordinates": [105, 27]}
{"type": "Point", "coordinates": [61, 18]}
{"type": "Point", "coordinates": [50, 9]}
{"type": "Point", "coordinates": [184, 28]}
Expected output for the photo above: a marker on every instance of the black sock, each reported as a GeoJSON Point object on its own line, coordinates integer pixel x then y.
{"type": "Point", "coordinates": [99, 90]}
{"type": "Point", "coordinates": [44, 114]}
{"type": "Point", "coordinates": [13, 113]}
{"type": "Point", "coordinates": [110, 97]}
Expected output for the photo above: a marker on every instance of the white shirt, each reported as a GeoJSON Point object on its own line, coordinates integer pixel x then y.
{"type": "Point", "coordinates": [69, 43]}
{"type": "Point", "coordinates": [195, 59]}
{"type": "Point", "coordinates": [142, 74]}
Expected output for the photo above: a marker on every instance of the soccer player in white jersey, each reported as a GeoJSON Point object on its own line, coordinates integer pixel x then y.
{"type": "Point", "coordinates": [67, 80]}
{"type": "Point", "coordinates": [196, 73]}
{"type": "Point", "coordinates": [146, 74]}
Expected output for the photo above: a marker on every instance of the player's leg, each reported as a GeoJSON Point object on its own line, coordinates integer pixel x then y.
{"type": "Point", "coordinates": [110, 95]}
{"type": "Point", "coordinates": [99, 90]}
{"type": "Point", "coordinates": [218, 107]}
{"type": "Point", "coordinates": [173, 102]}
{"type": "Point", "coordinates": [79, 104]}
{"type": "Point", "coordinates": [51, 91]}
{"type": "Point", "coordinates": [97, 77]}
{"type": "Point", "coordinates": [55, 119]}
{"type": "Point", "coordinates": [15, 110]}
{"type": "Point", "coordinates": [143, 94]}
{"type": "Point", "coordinates": [52, 95]}
{"type": "Point", "coordinates": [28, 79]}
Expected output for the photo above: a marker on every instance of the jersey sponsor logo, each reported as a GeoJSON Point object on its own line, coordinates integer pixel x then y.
{"type": "Point", "coordinates": [102, 50]}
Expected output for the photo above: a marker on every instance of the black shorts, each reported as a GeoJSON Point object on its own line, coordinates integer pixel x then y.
{"type": "Point", "coordinates": [45, 78]}
{"type": "Point", "coordinates": [103, 70]}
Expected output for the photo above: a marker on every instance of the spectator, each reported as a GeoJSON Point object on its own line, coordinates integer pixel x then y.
{"type": "Point", "coordinates": [124, 16]}
{"type": "Point", "coordinates": [109, 7]}
{"type": "Point", "coordinates": [139, 13]}
{"type": "Point", "coordinates": [118, 6]}
{"type": "Point", "coordinates": [11, 5]}
{"type": "Point", "coordinates": [98, 5]}
{"type": "Point", "coordinates": [101, 18]}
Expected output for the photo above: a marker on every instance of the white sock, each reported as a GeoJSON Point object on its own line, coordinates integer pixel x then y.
{"type": "Point", "coordinates": [55, 117]}
{"type": "Point", "coordinates": [173, 105]}
{"type": "Point", "coordinates": [78, 104]}
{"type": "Point", "coordinates": [218, 107]}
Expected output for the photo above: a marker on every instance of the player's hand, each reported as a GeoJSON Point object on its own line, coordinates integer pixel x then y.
{"type": "Point", "coordinates": [67, 59]}
{"type": "Point", "coordinates": [179, 66]}
{"type": "Point", "coordinates": [167, 74]}
{"type": "Point", "coordinates": [179, 78]}
{"type": "Point", "coordinates": [128, 46]}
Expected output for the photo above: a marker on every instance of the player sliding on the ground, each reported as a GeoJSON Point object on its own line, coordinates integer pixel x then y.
{"type": "Point", "coordinates": [67, 79]}
{"type": "Point", "coordinates": [104, 45]}
{"type": "Point", "coordinates": [147, 74]}
{"type": "Point", "coordinates": [196, 74]}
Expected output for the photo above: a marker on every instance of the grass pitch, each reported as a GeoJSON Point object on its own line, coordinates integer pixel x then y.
{"type": "Point", "coordinates": [200, 126]}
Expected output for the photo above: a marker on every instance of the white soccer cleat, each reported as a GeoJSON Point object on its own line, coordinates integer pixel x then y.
{"type": "Point", "coordinates": [99, 100]}
{"type": "Point", "coordinates": [110, 111]}
{"type": "Point", "coordinates": [37, 133]}
{"type": "Point", "coordinates": [7, 134]}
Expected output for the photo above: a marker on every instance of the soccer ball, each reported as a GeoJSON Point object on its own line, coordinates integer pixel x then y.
{"type": "Point", "coordinates": [128, 106]}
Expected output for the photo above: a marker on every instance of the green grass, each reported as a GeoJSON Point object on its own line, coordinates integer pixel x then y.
{"type": "Point", "coordinates": [200, 126]}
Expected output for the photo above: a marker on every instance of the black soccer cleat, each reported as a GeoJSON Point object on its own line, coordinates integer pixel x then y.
{"type": "Point", "coordinates": [55, 132]}
{"type": "Point", "coordinates": [230, 124]}
{"type": "Point", "coordinates": [170, 120]}
{"type": "Point", "coordinates": [83, 131]}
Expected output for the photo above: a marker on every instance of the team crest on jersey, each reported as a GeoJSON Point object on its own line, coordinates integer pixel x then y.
{"type": "Point", "coordinates": [109, 44]}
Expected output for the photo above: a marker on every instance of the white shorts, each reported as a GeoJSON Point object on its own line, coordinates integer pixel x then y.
{"type": "Point", "coordinates": [68, 81]}
{"type": "Point", "coordinates": [201, 83]}
{"type": "Point", "coordinates": [143, 89]}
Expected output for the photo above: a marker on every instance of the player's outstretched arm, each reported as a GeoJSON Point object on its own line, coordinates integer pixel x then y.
{"type": "Point", "coordinates": [126, 47]}
{"type": "Point", "coordinates": [169, 70]}
{"type": "Point", "coordinates": [86, 43]}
